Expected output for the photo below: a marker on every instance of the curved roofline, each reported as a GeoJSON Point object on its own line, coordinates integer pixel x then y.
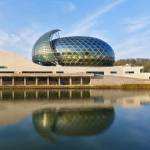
{"type": "Point", "coordinates": [46, 53]}
{"type": "Point", "coordinates": [84, 37]}
{"type": "Point", "coordinates": [48, 34]}
{"type": "Point", "coordinates": [47, 38]}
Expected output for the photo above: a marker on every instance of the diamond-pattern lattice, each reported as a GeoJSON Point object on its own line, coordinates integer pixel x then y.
{"type": "Point", "coordinates": [73, 51]}
{"type": "Point", "coordinates": [83, 51]}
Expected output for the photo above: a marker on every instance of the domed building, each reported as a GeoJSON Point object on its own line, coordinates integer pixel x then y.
{"type": "Point", "coordinates": [72, 51]}
{"type": "Point", "coordinates": [73, 61]}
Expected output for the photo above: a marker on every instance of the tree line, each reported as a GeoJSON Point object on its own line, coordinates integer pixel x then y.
{"type": "Point", "coordinates": [135, 62]}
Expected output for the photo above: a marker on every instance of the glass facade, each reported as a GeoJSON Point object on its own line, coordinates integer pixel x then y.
{"type": "Point", "coordinates": [42, 51]}
{"type": "Point", "coordinates": [72, 51]}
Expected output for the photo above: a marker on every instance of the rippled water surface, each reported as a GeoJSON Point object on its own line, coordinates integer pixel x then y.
{"type": "Point", "coordinates": [74, 119]}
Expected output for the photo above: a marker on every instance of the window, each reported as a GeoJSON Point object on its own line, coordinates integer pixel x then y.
{"type": "Point", "coordinates": [3, 67]}
{"type": "Point", "coordinates": [113, 72]}
{"type": "Point", "coordinates": [96, 72]}
{"type": "Point", "coordinates": [59, 72]}
{"type": "Point", "coordinates": [37, 72]}
{"type": "Point", "coordinates": [6, 71]}
{"type": "Point", "coordinates": [129, 72]}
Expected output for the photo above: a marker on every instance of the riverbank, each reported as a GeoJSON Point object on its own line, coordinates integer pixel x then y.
{"type": "Point", "coordinates": [123, 87]}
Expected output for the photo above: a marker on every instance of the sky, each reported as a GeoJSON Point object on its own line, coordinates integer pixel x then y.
{"type": "Point", "coordinates": [124, 24]}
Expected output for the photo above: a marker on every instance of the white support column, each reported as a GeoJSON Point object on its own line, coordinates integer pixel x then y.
{"type": "Point", "coordinates": [47, 80]}
{"type": "Point", "coordinates": [25, 83]}
{"type": "Point", "coordinates": [59, 81]}
{"type": "Point", "coordinates": [70, 81]}
{"type": "Point", "coordinates": [2, 81]}
{"type": "Point", "coordinates": [81, 81]}
{"type": "Point", "coordinates": [90, 81]}
{"type": "Point", "coordinates": [13, 81]}
{"type": "Point", "coordinates": [36, 81]}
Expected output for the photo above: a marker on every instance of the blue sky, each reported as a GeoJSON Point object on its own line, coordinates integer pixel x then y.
{"type": "Point", "coordinates": [124, 24]}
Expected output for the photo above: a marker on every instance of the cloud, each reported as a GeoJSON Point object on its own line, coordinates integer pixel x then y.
{"type": "Point", "coordinates": [20, 41]}
{"type": "Point", "coordinates": [136, 45]}
{"type": "Point", "coordinates": [87, 23]}
{"type": "Point", "coordinates": [137, 23]}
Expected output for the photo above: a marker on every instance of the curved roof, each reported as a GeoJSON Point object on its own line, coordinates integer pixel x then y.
{"type": "Point", "coordinates": [47, 37]}
{"type": "Point", "coordinates": [72, 51]}
{"type": "Point", "coordinates": [82, 51]}
{"type": "Point", "coordinates": [43, 44]}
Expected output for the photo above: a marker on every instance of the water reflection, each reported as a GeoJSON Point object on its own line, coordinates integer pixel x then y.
{"type": "Point", "coordinates": [16, 105]}
{"type": "Point", "coordinates": [72, 122]}
{"type": "Point", "coordinates": [103, 97]}
{"type": "Point", "coordinates": [74, 119]}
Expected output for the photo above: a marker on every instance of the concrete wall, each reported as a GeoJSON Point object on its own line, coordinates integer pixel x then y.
{"type": "Point", "coordinates": [113, 80]}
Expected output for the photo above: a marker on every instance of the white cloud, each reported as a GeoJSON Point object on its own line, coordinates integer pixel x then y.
{"type": "Point", "coordinates": [134, 24]}
{"type": "Point", "coordinates": [87, 23]}
{"type": "Point", "coordinates": [20, 41]}
{"type": "Point", "coordinates": [136, 41]}
{"type": "Point", "coordinates": [136, 45]}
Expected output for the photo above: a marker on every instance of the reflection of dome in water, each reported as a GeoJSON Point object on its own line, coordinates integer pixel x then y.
{"type": "Point", "coordinates": [72, 122]}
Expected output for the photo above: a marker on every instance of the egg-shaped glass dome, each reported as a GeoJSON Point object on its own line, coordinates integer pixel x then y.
{"type": "Point", "coordinates": [72, 51]}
